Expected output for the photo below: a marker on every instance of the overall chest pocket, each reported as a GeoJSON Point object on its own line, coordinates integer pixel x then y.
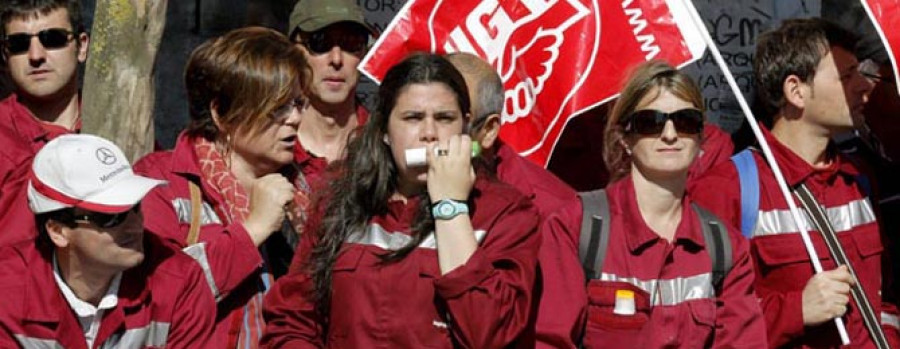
{"type": "Point", "coordinates": [688, 324]}
{"type": "Point", "coordinates": [699, 333]}
{"type": "Point", "coordinates": [783, 250]}
{"type": "Point", "coordinates": [868, 241]}
{"type": "Point", "coordinates": [869, 265]}
{"type": "Point", "coordinates": [348, 260]}
{"type": "Point", "coordinates": [612, 326]}
{"type": "Point", "coordinates": [784, 256]}
{"type": "Point", "coordinates": [344, 280]}
{"type": "Point", "coordinates": [436, 325]}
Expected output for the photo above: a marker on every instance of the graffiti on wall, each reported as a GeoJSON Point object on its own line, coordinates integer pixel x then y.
{"type": "Point", "coordinates": [379, 14]}
{"type": "Point", "coordinates": [735, 26]}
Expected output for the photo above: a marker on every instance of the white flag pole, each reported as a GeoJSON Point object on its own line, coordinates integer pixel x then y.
{"type": "Point", "coordinates": [767, 152]}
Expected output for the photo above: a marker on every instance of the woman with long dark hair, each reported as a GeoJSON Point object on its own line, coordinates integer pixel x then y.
{"type": "Point", "coordinates": [411, 256]}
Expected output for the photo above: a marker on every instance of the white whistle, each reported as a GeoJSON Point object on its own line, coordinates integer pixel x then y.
{"type": "Point", "coordinates": [416, 156]}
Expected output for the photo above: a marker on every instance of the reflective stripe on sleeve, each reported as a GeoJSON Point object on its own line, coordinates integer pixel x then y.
{"type": "Point", "coordinates": [198, 253]}
{"type": "Point", "coordinates": [36, 343]}
{"type": "Point", "coordinates": [183, 211]}
{"type": "Point", "coordinates": [890, 320]}
{"type": "Point", "coordinates": [154, 335]}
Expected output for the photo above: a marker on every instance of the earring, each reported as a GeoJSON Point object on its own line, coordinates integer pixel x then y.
{"type": "Point", "coordinates": [625, 146]}
{"type": "Point", "coordinates": [226, 151]}
{"type": "Point", "coordinates": [386, 140]}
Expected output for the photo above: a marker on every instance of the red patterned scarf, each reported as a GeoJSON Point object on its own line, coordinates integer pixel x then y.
{"type": "Point", "coordinates": [235, 207]}
{"type": "Point", "coordinates": [218, 176]}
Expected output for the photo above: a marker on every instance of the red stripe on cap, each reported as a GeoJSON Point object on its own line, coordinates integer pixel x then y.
{"type": "Point", "coordinates": [55, 195]}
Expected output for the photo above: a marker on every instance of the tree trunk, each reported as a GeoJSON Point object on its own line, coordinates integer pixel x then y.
{"type": "Point", "coordinates": [117, 101]}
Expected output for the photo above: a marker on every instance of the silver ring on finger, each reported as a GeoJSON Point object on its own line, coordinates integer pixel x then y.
{"type": "Point", "coordinates": [443, 152]}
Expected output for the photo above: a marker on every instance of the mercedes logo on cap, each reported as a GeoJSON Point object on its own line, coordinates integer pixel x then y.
{"type": "Point", "coordinates": [106, 156]}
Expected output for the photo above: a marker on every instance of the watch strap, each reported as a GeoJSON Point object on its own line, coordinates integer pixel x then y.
{"type": "Point", "coordinates": [449, 208]}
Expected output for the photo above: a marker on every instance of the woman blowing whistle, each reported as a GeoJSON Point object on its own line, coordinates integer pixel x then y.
{"type": "Point", "coordinates": [410, 256]}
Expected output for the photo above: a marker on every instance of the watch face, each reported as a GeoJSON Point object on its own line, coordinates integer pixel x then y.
{"type": "Point", "coordinates": [446, 209]}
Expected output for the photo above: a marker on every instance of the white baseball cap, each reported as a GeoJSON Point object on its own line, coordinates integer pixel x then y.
{"type": "Point", "coordinates": [87, 172]}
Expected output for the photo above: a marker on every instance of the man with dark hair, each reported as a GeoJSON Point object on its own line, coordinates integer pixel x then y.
{"type": "Point", "coordinates": [42, 42]}
{"type": "Point", "coordinates": [874, 145]}
{"type": "Point", "coordinates": [94, 278]}
{"type": "Point", "coordinates": [558, 319]}
{"type": "Point", "coordinates": [333, 36]}
{"type": "Point", "coordinates": [808, 79]}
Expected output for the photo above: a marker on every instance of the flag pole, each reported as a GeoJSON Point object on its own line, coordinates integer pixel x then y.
{"type": "Point", "coordinates": [767, 152]}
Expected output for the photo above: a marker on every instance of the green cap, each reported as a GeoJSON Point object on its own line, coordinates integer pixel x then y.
{"type": "Point", "coordinates": [312, 15]}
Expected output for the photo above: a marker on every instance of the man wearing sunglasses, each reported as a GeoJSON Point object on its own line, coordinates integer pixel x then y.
{"type": "Point", "coordinates": [809, 83]}
{"type": "Point", "coordinates": [42, 42]}
{"type": "Point", "coordinates": [94, 277]}
{"type": "Point", "coordinates": [333, 36]}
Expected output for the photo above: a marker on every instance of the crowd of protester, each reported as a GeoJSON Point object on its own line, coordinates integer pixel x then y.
{"type": "Point", "coordinates": [288, 216]}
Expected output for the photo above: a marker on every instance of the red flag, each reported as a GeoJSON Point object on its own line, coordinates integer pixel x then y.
{"type": "Point", "coordinates": [886, 16]}
{"type": "Point", "coordinates": [557, 58]}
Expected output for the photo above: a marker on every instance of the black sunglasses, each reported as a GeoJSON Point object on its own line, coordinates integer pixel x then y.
{"type": "Point", "coordinates": [51, 39]}
{"type": "Point", "coordinates": [322, 41]}
{"type": "Point", "coordinates": [106, 220]}
{"type": "Point", "coordinates": [652, 122]}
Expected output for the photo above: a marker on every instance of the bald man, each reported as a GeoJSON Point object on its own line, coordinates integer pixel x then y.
{"type": "Point", "coordinates": [561, 283]}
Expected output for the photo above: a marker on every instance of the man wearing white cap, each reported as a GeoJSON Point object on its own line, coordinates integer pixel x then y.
{"type": "Point", "coordinates": [94, 277]}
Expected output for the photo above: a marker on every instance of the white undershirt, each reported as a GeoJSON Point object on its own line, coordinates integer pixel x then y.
{"type": "Point", "coordinates": [89, 316]}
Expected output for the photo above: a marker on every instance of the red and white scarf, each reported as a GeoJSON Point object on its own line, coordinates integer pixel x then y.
{"type": "Point", "coordinates": [235, 207]}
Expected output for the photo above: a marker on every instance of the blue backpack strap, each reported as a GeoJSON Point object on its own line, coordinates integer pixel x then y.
{"type": "Point", "coordinates": [749, 180]}
{"type": "Point", "coordinates": [866, 185]}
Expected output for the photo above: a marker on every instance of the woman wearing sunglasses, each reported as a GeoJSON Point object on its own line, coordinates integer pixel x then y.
{"type": "Point", "coordinates": [401, 256]}
{"type": "Point", "coordinates": [232, 182]}
{"type": "Point", "coordinates": [656, 286]}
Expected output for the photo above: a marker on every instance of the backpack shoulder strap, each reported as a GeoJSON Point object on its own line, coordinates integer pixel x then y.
{"type": "Point", "coordinates": [718, 244]}
{"type": "Point", "coordinates": [748, 176]}
{"type": "Point", "coordinates": [594, 238]}
{"type": "Point", "coordinates": [196, 208]}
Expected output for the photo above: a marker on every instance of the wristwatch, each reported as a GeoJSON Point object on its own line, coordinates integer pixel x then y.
{"type": "Point", "coordinates": [448, 208]}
